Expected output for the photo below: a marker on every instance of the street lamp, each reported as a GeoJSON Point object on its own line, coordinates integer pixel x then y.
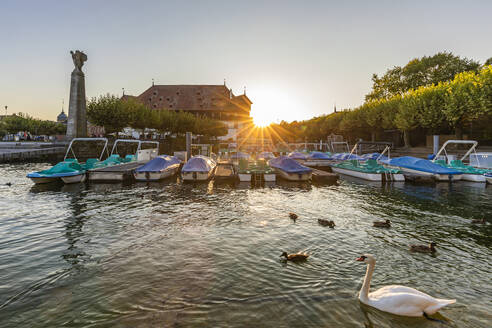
{"type": "Point", "coordinates": [6, 110]}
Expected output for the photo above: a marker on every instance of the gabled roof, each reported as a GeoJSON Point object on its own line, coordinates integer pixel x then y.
{"type": "Point", "coordinates": [194, 98]}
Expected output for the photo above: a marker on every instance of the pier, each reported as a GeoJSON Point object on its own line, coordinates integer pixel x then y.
{"type": "Point", "coordinates": [22, 151]}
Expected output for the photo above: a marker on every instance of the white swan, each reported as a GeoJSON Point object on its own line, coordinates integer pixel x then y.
{"type": "Point", "coordinates": [399, 300]}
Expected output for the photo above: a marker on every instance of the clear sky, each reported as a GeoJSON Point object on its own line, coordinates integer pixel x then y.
{"type": "Point", "coordinates": [296, 58]}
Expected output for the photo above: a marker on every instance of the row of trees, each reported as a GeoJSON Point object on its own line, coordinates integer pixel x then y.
{"type": "Point", "coordinates": [433, 107]}
{"type": "Point", "coordinates": [114, 114]}
{"type": "Point", "coordinates": [23, 122]}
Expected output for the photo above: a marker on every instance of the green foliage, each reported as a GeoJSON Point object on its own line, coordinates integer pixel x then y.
{"type": "Point", "coordinates": [463, 99]}
{"type": "Point", "coordinates": [436, 108]}
{"type": "Point", "coordinates": [109, 112]}
{"type": "Point", "coordinates": [419, 72]}
{"type": "Point", "coordinates": [114, 114]}
{"type": "Point", "coordinates": [23, 122]}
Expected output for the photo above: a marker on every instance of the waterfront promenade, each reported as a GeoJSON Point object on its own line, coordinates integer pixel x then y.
{"type": "Point", "coordinates": [30, 151]}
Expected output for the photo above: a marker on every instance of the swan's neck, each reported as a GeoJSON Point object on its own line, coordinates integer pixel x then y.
{"type": "Point", "coordinates": [364, 291]}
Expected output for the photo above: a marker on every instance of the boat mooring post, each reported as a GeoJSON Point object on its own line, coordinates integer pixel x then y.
{"type": "Point", "coordinates": [188, 145]}
{"type": "Point", "coordinates": [436, 144]}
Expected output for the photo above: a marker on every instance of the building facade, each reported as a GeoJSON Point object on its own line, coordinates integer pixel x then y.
{"type": "Point", "coordinates": [213, 101]}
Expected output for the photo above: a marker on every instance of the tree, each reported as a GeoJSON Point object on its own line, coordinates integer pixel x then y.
{"type": "Point", "coordinates": [109, 112]}
{"type": "Point", "coordinates": [424, 71]}
{"type": "Point", "coordinates": [463, 101]}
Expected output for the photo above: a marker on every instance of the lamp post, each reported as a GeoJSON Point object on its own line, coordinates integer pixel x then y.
{"type": "Point", "coordinates": [6, 110]}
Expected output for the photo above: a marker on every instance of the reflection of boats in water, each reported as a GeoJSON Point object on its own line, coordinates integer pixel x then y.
{"type": "Point", "coordinates": [286, 184]}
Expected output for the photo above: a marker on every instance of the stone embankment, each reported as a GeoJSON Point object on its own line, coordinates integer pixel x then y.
{"type": "Point", "coordinates": [31, 151]}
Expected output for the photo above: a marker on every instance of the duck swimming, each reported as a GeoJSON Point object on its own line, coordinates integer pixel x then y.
{"type": "Point", "coordinates": [293, 216]}
{"type": "Point", "coordinates": [382, 224]}
{"type": "Point", "coordinates": [424, 248]}
{"type": "Point", "coordinates": [296, 257]}
{"type": "Point", "coordinates": [326, 223]}
{"type": "Point", "coordinates": [399, 300]}
{"type": "Point", "coordinates": [479, 221]}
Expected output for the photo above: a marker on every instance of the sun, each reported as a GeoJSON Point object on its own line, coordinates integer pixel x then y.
{"type": "Point", "coordinates": [273, 104]}
{"type": "Point", "coordinates": [261, 121]}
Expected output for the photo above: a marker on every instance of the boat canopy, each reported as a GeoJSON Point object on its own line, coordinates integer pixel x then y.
{"type": "Point", "coordinates": [59, 170]}
{"type": "Point", "coordinates": [420, 164]}
{"type": "Point", "coordinates": [288, 165]}
{"type": "Point", "coordinates": [199, 163]}
{"type": "Point", "coordinates": [158, 164]}
{"type": "Point", "coordinates": [297, 155]}
{"type": "Point", "coordinates": [319, 155]}
{"type": "Point", "coordinates": [374, 156]}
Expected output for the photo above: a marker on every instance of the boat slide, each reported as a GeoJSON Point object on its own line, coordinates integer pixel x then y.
{"type": "Point", "coordinates": [469, 173]}
{"type": "Point", "coordinates": [70, 170]}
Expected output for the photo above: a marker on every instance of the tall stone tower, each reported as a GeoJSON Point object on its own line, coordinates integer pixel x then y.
{"type": "Point", "coordinates": [77, 121]}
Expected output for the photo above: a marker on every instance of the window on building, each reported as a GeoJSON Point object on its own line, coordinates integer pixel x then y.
{"type": "Point", "coordinates": [171, 106]}
{"type": "Point", "coordinates": [168, 99]}
{"type": "Point", "coordinates": [155, 105]}
{"type": "Point", "coordinates": [155, 93]}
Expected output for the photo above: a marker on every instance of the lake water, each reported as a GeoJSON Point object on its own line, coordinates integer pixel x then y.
{"type": "Point", "coordinates": [207, 255]}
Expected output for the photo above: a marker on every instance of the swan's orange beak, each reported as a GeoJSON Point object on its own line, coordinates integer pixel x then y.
{"type": "Point", "coordinates": [360, 259]}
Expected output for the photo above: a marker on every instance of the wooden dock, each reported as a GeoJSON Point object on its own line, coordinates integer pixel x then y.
{"type": "Point", "coordinates": [323, 176]}
{"type": "Point", "coordinates": [116, 173]}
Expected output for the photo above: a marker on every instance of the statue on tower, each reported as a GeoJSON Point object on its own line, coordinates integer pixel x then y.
{"type": "Point", "coordinates": [77, 121]}
{"type": "Point", "coordinates": [78, 58]}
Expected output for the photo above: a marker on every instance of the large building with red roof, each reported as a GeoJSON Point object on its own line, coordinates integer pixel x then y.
{"type": "Point", "coordinates": [213, 101]}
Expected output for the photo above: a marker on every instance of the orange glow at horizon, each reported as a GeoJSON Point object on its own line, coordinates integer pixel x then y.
{"type": "Point", "coordinates": [273, 104]}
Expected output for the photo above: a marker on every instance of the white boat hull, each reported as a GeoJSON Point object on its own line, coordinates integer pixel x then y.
{"type": "Point", "coordinates": [370, 176]}
{"type": "Point", "coordinates": [489, 179]}
{"type": "Point", "coordinates": [155, 176]}
{"type": "Point", "coordinates": [270, 177]}
{"type": "Point", "coordinates": [74, 178]}
{"type": "Point", "coordinates": [474, 177]}
{"type": "Point", "coordinates": [244, 177]}
{"type": "Point", "coordinates": [197, 176]}
{"type": "Point", "coordinates": [44, 180]}
{"type": "Point", "coordinates": [294, 176]}
{"type": "Point", "coordinates": [437, 177]}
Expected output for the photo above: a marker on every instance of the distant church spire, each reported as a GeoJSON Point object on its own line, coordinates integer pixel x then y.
{"type": "Point", "coordinates": [63, 105]}
{"type": "Point", "coordinates": [335, 108]}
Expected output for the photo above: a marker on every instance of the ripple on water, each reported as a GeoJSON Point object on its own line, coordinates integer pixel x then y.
{"type": "Point", "coordinates": [194, 255]}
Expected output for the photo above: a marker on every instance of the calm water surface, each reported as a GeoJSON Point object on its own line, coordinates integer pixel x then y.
{"type": "Point", "coordinates": [207, 255]}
